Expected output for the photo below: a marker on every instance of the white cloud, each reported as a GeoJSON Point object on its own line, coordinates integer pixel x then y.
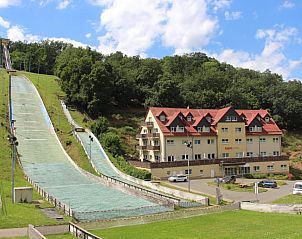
{"type": "Point", "coordinates": [232, 15]}
{"type": "Point", "coordinates": [16, 33]}
{"type": "Point", "coordinates": [190, 29]}
{"type": "Point", "coordinates": [220, 4]}
{"type": "Point", "coordinates": [4, 23]}
{"type": "Point", "coordinates": [131, 26]}
{"type": "Point", "coordinates": [88, 35]}
{"type": "Point", "coordinates": [63, 4]}
{"type": "Point", "coordinates": [272, 56]}
{"type": "Point", "coordinates": [7, 3]}
{"type": "Point", "coordinates": [288, 4]}
{"type": "Point", "coordinates": [68, 40]}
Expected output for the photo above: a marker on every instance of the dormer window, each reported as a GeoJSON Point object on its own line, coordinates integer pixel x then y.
{"type": "Point", "coordinates": [180, 129]}
{"type": "Point", "coordinates": [189, 118]}
{"type": "Point", "coordinates": [205, 129]}
{"type": "Point", "coordinates": [162, 118]}
{"type": "Point", "coordinates": [199, 129]}
{"type": "Point", "coordinates": [173, 129]}
{"type": "Point", "coordinates": [180, 116]}
{"type": "Point", "coordinates": [267, 119]}
{"type": "Point", "coordinates": [209, 119]}
{"type": "Point", "coordinates": [258, 118]}
{"type": "Point", "coordinates": [231, 118]}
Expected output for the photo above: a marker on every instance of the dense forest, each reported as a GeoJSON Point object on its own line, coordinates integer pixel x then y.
{"type": "Point", "coordinates": [97, 82]}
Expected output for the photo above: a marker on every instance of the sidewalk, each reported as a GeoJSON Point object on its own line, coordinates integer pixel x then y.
{"type": "Point", "coordinates": [13, 232]}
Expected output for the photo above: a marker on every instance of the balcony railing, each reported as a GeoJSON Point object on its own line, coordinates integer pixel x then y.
{"type": "Point", "coordinates": [221, 162]}
{"type": "Point", "coordinates": [151, 135]}
{"type": "Point", "coordinates": [152, 147]}
{"type": "Point", "coordinates": [141, 147]}
{"type": "Point", "coordinates": [148, 124]}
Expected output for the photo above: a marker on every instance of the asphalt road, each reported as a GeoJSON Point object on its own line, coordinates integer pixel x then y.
{"type": "Point", "coordinates": [201, 186]}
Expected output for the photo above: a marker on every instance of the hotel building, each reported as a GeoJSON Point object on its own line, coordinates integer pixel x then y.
{"type": "Point", "coordinates": [210, 142]}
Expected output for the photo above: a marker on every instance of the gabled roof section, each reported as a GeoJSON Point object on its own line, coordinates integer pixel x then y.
{"type": "Point", "coordinates": [220, 114]}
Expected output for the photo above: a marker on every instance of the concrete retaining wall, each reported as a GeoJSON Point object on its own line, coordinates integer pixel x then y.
{"type": "Point", "coordinates": [33, 233]}
{"type": "Point", "coordinates": [50, 230]}
{"type": "Point", "coordinates": [158, 217]}
{"type": "Point", "coordinates": [276, 208]}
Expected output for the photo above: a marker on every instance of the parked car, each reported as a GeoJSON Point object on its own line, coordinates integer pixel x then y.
{"type": "Point", "coordinates": [178, 178]}
{"type": "Point", "coordinates": [297, 189]}
{"type": "Point", "coordinates": [267, 184]}
{"type": "Point", "coordinates": [229, 179]}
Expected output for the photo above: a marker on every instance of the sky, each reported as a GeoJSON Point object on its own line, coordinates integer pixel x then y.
{"type": "Point", "coordinates": [254, 34]}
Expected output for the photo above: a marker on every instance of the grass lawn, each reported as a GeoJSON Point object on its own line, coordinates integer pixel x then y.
{"type": "Point", "coordinates": [236, 187]}
{"type": "Point", "coordinates": [290, 199]}
{"type": "Point", "coordinates": [19, 214]}
{"type": "Point", "coordinates": [227, 225]}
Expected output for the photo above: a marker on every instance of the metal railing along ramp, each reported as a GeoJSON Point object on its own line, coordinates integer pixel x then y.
{"type": "Point", "coordinates": [49, 167]}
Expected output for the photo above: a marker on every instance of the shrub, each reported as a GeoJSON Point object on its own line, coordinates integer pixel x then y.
{"type": "Point", "coordinates": [112, 142]}
{"type": "Point", "coordinates": [100, 126]}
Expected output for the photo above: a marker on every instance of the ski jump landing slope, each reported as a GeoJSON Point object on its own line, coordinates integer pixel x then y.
{"type": "Point", "coordinates": [48, 165]}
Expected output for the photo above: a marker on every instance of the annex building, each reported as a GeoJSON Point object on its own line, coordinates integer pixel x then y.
{"type": "Point", "coordinates": [210, 142]}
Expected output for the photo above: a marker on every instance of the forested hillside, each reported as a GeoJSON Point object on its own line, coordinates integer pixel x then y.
{"type": "Point", "coordinates": [96, 83]}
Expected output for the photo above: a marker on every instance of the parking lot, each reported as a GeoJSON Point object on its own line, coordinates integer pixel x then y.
{"type": "Point", "coordinates": [201, 186]}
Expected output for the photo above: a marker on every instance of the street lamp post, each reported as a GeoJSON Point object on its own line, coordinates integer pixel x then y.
{"type": "Point", "coordinates": [189, 145]}
{"type": "Point", "coordinates": [90, 141]}
{"type": "Point", "coordinates": [13, 142]}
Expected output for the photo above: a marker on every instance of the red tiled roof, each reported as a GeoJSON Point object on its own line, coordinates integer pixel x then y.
{"type": "Point", "coordinates": [216, 114]}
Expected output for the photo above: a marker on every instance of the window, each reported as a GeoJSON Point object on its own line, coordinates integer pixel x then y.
{"type": "Point", "coordinates": [262, 140]}
{"type": "Point", "coordinates": [239, 154]}
{"type": "Point", "coordinates": [205, 129]}
{"type": "Point", "coordinates": [211, 141]}
{"type": "Point", "coordinates": [209, 119]}
{"type": "Point", "coordinates": [197, 156]}
{"type": "Point", "coordinates": [283, 167]}
{"type": "Point", "coordinates": [275, 140]}
{"type": "Point", "coordinates": [225, 155]}
{"type": "Point", "coordinates": [197, 141]}
{"type": "Point", "coordinates": [224, 129]}
{"type": "Point", "coordinates": [157, 158]}
{"type": "Point", "coordinates": [255, 129]}
{"type": "Point", "coordinates": [180, 129]}
{"type": "Point", "coordinates": [211, 156]}
{"type": "Point", "coordinates": [145, 157]}
{"type": "Point", "coordinates": [256, 168]}
{"type": "Point", "coordinates": [275, 153]}
{"type": "Point", "coordinates": [228, 118]}
{"type": "Point", "coordinates": [234, 118]}
{"type": "Point", "coordinates": [145, 131]}
{"type": "Point", "coordinates": [156, 143]}
{"type": "Point", "coordinates": [237, 129]}
{"type": "Point", "coordinates": [171, 158]}
{"type": "Point", "coordinates": [244, 170]}
{"type": "Point", "coordinates": [267, 119]}
{"type": "Point", "coordinates": [162, 118]}
{"type": "Point", "coordinates": [249, 141]}
{"type": "Point", "coordinates": [172, 129]}
{"type": "Point", "coordinates": [199, 129]}
{"type": "Point", "coordinates": [150, 156]}
{"type": "Point", "coordinates": [249, 154]}
{"type": "Point", "coordinates": [189, 118]}
{"type": "Point", "coordinates": [184, 157]}
{"type": "Point", "coordinates": [186, 171]}
{"type": "Point", "coordinates": [225, 141]}
{"type": "Point", "coordinates": [155, 130]}
{"type": "Point", "coordinates": [201, 172]}
{"type": "Point", "coordinates": [270, 167]}
{"type": "Point", "coordinates": [262, 154]}
{"type": "Point", "coordinates": [170, 141]}
{"type": "Point", "coordinates": [238, 141]}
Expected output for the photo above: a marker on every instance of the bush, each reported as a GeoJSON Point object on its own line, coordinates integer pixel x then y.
{"type": "Point", "coordinates": [112, 142]}
{"type": "Point", "coordinates": [100, 126]}
{"type": "Point", "coordinates": [127, 168]}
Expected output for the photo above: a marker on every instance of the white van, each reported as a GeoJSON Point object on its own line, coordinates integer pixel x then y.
{"type": "Point", "coordinates": [297, 189]}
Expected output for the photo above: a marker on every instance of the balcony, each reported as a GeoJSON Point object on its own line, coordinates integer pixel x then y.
{"type": "Point", "coordinates": [149, 124]}
{"type": "Point", "coordinates": [141, 147]}
{"type": "Point", "coordinates": [152, 147]}
{"type": "Point", "coordinates": [151, 135]}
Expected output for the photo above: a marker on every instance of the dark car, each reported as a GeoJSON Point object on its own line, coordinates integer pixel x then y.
{"type": "Point", "coordinates": [267, 184]}
{"type": "Point", "coordinates": [229, 179]}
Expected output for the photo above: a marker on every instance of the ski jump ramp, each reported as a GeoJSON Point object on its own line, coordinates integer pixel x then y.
{"type": "Point", "coordinates": [49, 167]}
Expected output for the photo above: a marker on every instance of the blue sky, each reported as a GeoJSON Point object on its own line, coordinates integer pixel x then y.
{"type": "Point", "coordinates": [256, 34]}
